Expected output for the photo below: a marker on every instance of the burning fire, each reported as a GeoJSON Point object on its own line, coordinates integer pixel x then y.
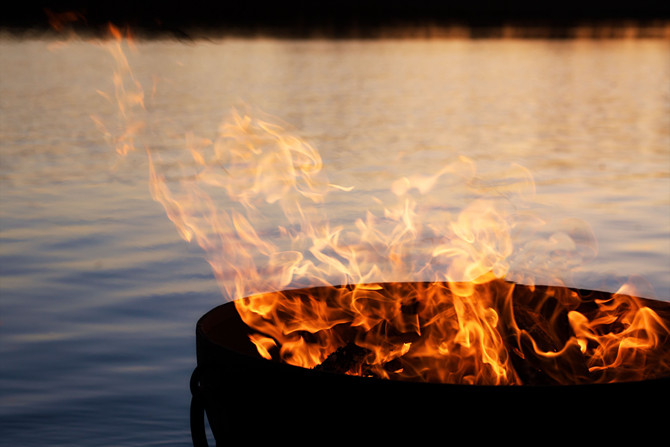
{"type": "Point", "coordinates": [414, 291]}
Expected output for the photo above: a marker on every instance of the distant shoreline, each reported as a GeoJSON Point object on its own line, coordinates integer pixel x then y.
{"type": "Point", "coordinates": [538, 30]}
{"type": "Point", "coordinates": [343, 19]}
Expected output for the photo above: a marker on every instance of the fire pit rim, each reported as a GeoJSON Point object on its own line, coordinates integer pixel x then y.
{"type": "Point", "coordinates": [252, 355]}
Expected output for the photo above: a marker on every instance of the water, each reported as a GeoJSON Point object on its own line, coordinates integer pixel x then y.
{"type": "Point", "coordinates": [100, 296]}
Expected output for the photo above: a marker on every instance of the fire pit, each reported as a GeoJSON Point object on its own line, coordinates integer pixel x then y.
{"type": "Point", "coordinates": [484, 356]}
{"type": "Point", "coordinates": [247, 386]}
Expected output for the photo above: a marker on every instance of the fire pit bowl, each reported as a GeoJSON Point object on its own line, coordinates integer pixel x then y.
{"type": "Point", "coordinates": [248, 397]}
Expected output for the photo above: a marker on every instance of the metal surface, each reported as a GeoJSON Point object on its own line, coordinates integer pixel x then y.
{"type": "Point", "coordinates": [247, 397]}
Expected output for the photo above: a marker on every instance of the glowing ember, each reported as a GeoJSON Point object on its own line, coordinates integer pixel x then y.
{"type": "Point", "coordinates": [414, 292]}
{"type": "Point", "coordinates": [493, 333]}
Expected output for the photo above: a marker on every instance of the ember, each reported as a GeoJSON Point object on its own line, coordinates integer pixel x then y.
{"type": "Point", "coordinates": [501, 334]}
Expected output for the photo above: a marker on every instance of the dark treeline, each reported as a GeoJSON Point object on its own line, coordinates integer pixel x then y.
{"type": "Point", "coordinates": [327, 17]}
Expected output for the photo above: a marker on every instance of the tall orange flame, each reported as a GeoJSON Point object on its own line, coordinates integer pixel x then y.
{"type": "Point", "coordinates": [414, 292]}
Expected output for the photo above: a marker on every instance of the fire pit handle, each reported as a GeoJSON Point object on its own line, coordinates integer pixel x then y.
{"type": "Point", "coordinates": [197, 412]}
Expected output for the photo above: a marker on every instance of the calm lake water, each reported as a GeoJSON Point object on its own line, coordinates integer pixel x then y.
{"type": "Point", "coordinates": [99, 295]}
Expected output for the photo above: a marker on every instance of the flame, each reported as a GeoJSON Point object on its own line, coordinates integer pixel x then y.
{"type": "Point", "coordinates": [409, 291]}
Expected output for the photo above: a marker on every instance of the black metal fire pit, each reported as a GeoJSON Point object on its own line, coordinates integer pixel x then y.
{"type": "Point", "coordinates": [246, 397]}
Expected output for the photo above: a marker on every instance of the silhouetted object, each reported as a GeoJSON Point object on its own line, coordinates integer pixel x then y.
{"type": "Point", "coordinates": [247, 398]}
